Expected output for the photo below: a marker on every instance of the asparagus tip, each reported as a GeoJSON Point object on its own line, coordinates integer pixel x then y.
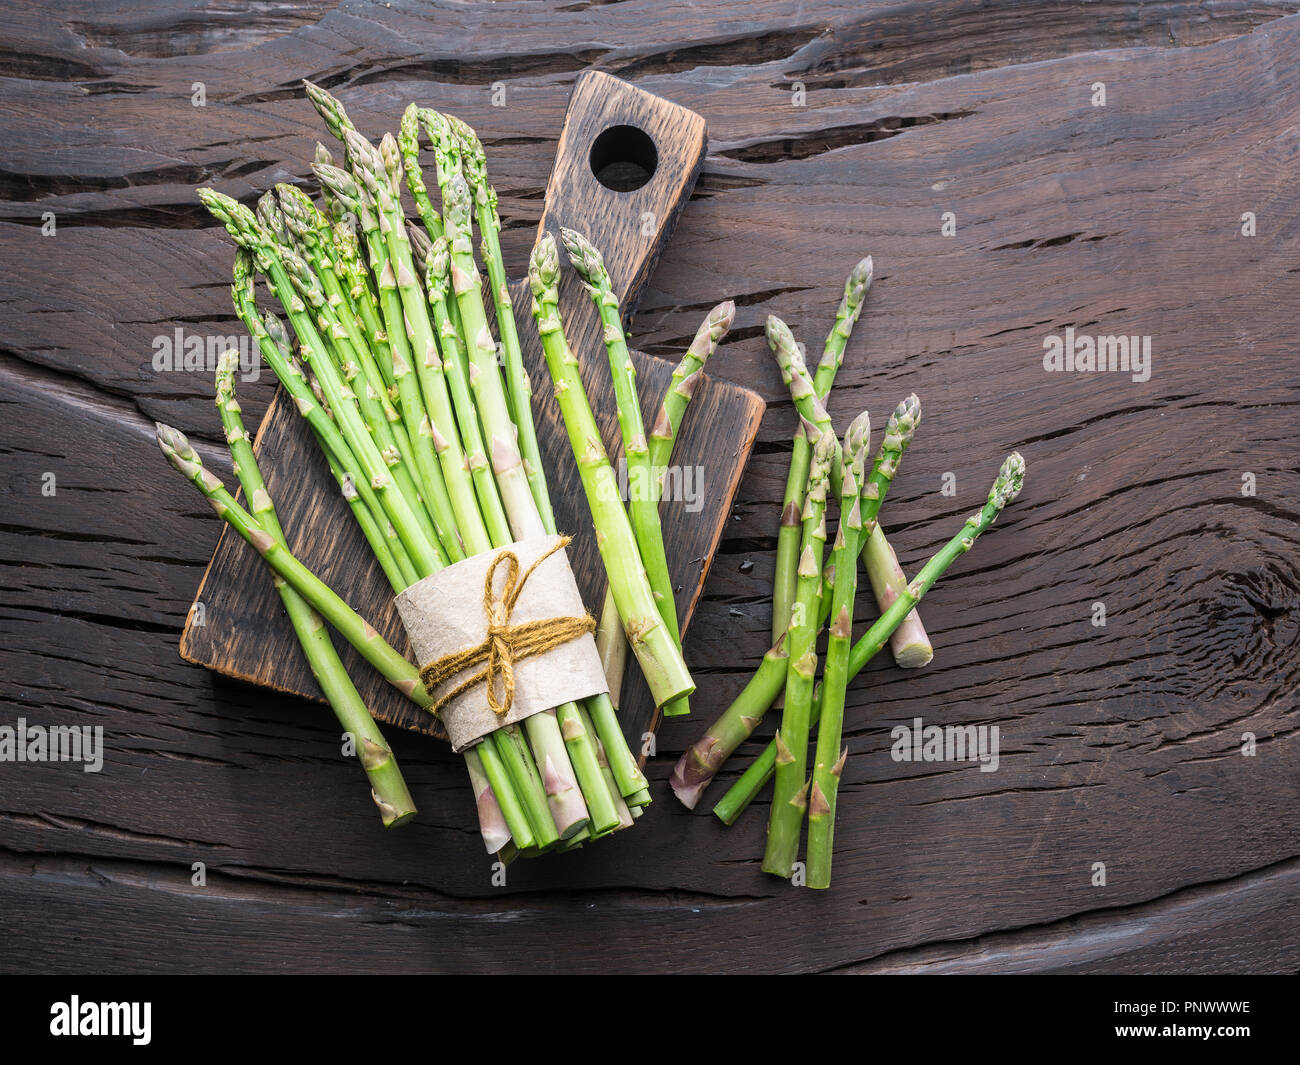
{"type": "Point", "coordinates": [544, 265]}
{"type": "Point", "coordinates": [861, 275]}
{"type": "Point", "coordinates": [905, 419]}
{"type": "Point", "coordinates": [584, 256]}
{"type": "Point", "coordinates": [170, 439]}
{"type": "Point", "coordinates": [775, 329]}
{"type": "Point", "coordinates": [178, 450]}
{"type": "Point", "coordinates": [1010, 479]}
{"type": "Point", "coordinates": [823, 452]}
{"type": "Point", "coordinates": [857, 440]}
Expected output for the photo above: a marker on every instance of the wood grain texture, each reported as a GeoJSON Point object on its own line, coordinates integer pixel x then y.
{"type": "Point", "coordinates": [238, 626]}
{"type": "Point", "coordinates": [1119, 744]}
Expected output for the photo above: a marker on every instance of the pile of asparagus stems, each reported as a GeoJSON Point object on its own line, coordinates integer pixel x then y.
{"type": "Point", "coordinates": [810, 591]}
{"type": "Point", "coordinates": [430, 436]}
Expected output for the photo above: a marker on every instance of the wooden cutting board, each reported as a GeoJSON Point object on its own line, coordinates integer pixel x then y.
{"type": "Point", "coordinates": [614, 135]}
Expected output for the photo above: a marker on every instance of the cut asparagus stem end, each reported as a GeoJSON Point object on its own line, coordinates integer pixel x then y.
{"type": "Point", "coordinates": [638, 799]}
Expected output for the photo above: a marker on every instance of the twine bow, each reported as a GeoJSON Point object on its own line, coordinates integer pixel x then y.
{"type": "Point", "coordinates": [504, 644]}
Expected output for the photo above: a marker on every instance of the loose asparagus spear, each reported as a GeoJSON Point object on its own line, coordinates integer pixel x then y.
{"type": "Point", "coordinates": [701, 761]}
{"type": "Point", "coordinates": [388, 788]}
{"type": "Point", "coordinates": [787, 544]}
{"type": "Point", "coordinates": [1005, 488]}
{"type": "Point", "coordinates": [791, 794]}
{"type": "Point", "coordinates": [685, 379]}
{"type": "Point", "coordinates": [660, 660]}
{"type": "Point", "coordinates": [913, 648]}
{"type": "Point", "coordinates": [643, 501]}
{"type": "Point", "coordinates": [788, 532]}
{"type": "Point", "coordinates": [826, 767]}
{"type": "Point", "coordinates": [856, 286]}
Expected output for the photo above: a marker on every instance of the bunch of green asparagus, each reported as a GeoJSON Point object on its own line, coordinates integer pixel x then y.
{"type": "Point", "coordinates": [431, 438]}
{"type": "Point", "coordinates": [808, 595]}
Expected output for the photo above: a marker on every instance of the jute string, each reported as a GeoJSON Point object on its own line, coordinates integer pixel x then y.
{"type": "Point", "coordinates": [504, 644]}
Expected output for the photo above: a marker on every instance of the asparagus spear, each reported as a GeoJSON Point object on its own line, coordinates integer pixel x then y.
{"type": "Point", "coordinates": [388, 788]}
{"type": "Point", "coordinates": [660, 660]}
{"type": "Point", "coordinates": [701, 761]}
{"type": "Point", "coordinates": [826, 766]}
{"type": "Point", "coordinates": [329, 108]}
{"type": "Point", "coordinates": [788, 532]}
{"type": "Point", "coordinates": [456, 370]}
{"type": "Point", "coordinates": [913, 648]}
{"type": "Point", "coordinates": [791, 791]}
{"type": "Point", "coordinates": [408, 143]}
{"type": "Point", "coordinates": [663, 437]}
{"type": "Point", "coordinates": [856, 286]}
{"type": "Point", "coordinates": [643, 501]}
{"type": "Point", "coordinates": [519, 387]}
{"type": "Point", "coordinates": [485, 376]}
{"type": "Point", "coordinates": [787, 544]}
{"type": "Point", "coordinates": [248, 233]}
{"type": "Point", "coordinates": [491, 820]}
{"type": "Point", "coordinates": [1005, 488]}
{"type": "Point", "coordinates": [273, 343]}
{"type": "Point", "coordinates": [334, 207]}
{"type": "Point", "coordinates": [685, 379]}
{"type": "Point", "coordinates": [301, 217]}
{"type": "Point", "coordinates": [356, 272]}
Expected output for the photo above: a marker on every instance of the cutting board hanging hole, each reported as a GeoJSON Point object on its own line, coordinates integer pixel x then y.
{"type": "Point", "coordinates": [623, 158]}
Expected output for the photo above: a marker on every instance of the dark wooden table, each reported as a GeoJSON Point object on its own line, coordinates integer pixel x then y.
{"type": "Point", "coordinates": [1120, 744]}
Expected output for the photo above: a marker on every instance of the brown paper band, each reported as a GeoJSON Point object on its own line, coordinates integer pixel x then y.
{"type": "Point", "coordinates": [513, 594]}
{"type": "Point", "coordinates": [503, 644]}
